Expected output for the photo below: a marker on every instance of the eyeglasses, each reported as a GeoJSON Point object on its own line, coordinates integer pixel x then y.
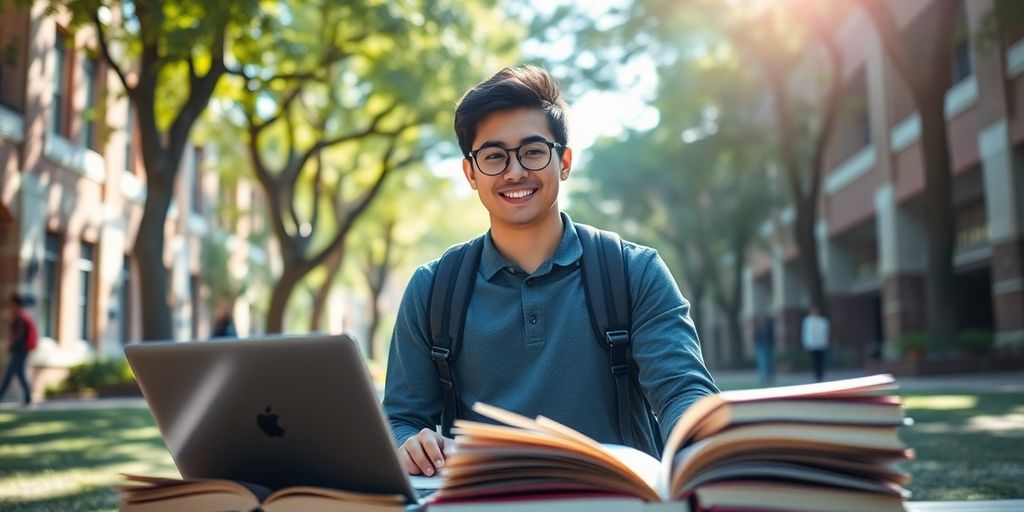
{"type": "Point", "coordinates": [533, 156]}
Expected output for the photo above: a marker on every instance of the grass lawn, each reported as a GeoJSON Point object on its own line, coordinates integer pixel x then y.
{"type": "Point", "coordinates": [968, 447]}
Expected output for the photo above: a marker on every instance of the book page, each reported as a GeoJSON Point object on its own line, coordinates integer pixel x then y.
{"type": "Point", "coordinates": [220, 501]}
{"type": "Point", "coordinates": [335, 495]}
{"type": "Point", "coordinates": [550, 446]}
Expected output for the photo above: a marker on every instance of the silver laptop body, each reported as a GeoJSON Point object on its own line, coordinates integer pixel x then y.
{"type": "Point", "coordinates": [277, 412]}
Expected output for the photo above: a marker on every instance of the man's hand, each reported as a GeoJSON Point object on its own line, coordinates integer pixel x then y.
{"type": "Point", "coordinates": [423, 453]}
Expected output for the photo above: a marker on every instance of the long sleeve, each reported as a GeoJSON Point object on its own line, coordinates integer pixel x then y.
{"type": "Point", "coordinates": [665, 344]}
{"type": "Point", "coordinates": [412, 395]}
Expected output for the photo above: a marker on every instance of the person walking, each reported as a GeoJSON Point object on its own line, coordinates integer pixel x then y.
{"type": "Point", "coordinates": [22, 340]}
{"type": "Point", "coordinates": [815, 340]}
{"type": "Point", "coordinates": [764, 344]}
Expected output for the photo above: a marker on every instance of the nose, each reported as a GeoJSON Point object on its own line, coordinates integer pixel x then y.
{"type": "Point", "coordinates": [515, 170]}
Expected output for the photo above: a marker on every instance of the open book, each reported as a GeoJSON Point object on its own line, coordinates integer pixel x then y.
{"type": "Point", "coordinates": [822, 447]}
{"type": "Point", "coordinates": [153, 494]}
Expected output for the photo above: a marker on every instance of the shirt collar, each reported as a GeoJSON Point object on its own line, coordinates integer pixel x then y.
{"type": "Point", "coordinates": [568, 252]}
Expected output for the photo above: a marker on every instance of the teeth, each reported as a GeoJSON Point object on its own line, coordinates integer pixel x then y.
{"type": "Point", "coordinates": [517, 194]}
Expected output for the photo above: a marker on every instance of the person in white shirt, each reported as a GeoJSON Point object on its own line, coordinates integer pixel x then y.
{"type": "Point", "coordinates": [815, 340]}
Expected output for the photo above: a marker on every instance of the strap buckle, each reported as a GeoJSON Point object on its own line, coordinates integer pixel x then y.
{"type": "Point", "coordinates": [619, 337]}
{"type": "Point", "coordinates": [439, 354]}
{"type": "Point", "coordinates": [620, 369]}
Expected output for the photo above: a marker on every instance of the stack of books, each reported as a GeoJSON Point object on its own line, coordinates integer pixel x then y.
{"type": "Point", "coordinates": [818, 447]}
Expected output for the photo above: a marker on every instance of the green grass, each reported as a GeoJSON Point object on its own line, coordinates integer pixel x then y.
{"type": "Point", "coordinates": [968, 447]}
{"type": "Point", "coordinates": [70, 461]}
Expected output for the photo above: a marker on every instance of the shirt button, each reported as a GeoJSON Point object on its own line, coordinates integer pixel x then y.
{"type": "Point", "coordinates": [533, 318]}
{"type": "Point", "coordinates": [529, 283]}
{"type": "Point", "coordinates": [511, 270]}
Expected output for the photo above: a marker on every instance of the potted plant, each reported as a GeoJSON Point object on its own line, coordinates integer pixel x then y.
{"type": "Point", "coordinates": [912, 345]}
{"type": "Point", "coordinates": [975, 341]}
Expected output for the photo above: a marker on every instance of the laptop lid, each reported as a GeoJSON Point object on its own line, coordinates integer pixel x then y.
{"type": "Point", "coordinates": [278, 412]}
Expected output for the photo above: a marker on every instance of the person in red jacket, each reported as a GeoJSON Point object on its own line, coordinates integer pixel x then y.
{"type": "Point", "coordinates": [22, 340]}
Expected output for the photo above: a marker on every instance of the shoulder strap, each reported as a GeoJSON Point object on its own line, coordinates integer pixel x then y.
{"type": "Point", "coordinates": [607, 290]}
{"type": "Point", "coordinates": [606, 284]}
{"type": "Point", "coordinates": [449, 301]}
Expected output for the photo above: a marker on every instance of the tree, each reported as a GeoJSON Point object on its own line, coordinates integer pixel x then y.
{"type": "Point", "coordinates": [341, 98]}
{"type": "Point", "coordinates": [777, 35]}
{"type": "Point", "coordinates": [927, 73]}
{"type": "Point", "coordinates": [705, 195]}
{"type": "Point", "coordinates": [760, 36]}
{"type": "Point", "coordinates": [168, 58]}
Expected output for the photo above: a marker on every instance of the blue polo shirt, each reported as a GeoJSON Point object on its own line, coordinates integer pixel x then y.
{"type": "Point", "coordinates": [529, 346]}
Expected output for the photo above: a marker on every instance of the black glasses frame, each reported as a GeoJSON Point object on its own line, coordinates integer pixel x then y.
{"type": "Point", "coordinates": [551, 146]}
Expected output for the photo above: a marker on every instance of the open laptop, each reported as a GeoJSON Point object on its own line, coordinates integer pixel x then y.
{"type": "Point", "coordinates": [278, 412]}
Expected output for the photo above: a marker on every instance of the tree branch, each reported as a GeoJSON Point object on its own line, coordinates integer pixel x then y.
{"type": "Point", "coordinates": [105, 50]}
{"type": "Point", "coordinates": [326, 143]}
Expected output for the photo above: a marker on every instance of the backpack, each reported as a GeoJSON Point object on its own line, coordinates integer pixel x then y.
{"type": "Point", "coordinates": [606, 285]}
{"type": "Point", "coordinates": [31, 335]}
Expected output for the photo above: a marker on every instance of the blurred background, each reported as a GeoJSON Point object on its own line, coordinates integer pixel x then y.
{"type": "Point", "coordinates": [181, 170]}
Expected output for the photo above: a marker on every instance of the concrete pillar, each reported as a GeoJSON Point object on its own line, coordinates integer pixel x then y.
{"type": "Point", "coordinates": [111, 264]}
{"type": "Point", "coordinates": [31, 235]}
{"type": "Point", "coordinates": [1003, 176]}
{"type": "Point", "coordinates": [902, 247]}
{"type": "Point", "coordinates": [787, 301]}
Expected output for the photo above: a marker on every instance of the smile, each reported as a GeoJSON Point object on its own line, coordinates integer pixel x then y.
{"type": "Point", "coordinates": [518, 194]}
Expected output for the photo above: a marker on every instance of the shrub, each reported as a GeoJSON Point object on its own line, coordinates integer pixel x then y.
{"type": "Point", "coordinates": [977, 341]}
{"type": "Point", "coordinates": [89, 376]}
{"type": "Point", "coordinates": [911, 342]}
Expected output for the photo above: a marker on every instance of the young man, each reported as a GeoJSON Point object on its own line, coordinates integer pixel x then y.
{"type": "Point", "coordinates": [528, 343]}
{"type": "Point", "coordinates": [22, 340]}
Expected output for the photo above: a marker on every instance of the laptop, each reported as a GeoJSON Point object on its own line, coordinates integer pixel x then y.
{"type": "Point", "coordinates": [274, 411]}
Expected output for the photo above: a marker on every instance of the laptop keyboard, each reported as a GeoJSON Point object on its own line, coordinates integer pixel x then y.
{"type": "Point", "coordinates": [423, 493]}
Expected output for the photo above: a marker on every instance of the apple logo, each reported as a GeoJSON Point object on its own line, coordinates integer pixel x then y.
{"type": "Point", "coordinates": [268, 424]}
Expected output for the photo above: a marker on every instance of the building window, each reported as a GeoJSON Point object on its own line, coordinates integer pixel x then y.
{"type": "Point", "coordinates": [85, 298]}
{"type": "Point", "coordinates": [60, 84]}
{"type": "Point", "coordinates": [51, 281]}
{"type": "Point", "coordinates": [961, 65]}
{"type": "Point", "coordinates": [854, 124]}
{"type": "Point", "coordinates": [87, 137]}
{"type": "Point", "coordinates": [971, 224]}
{"type": "Point", "coordinates": [125, 298]}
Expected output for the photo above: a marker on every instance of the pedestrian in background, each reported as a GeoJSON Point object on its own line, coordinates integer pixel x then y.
{"type": "Point", "coordinates": [815, 340]}
{"type": "Point", "coordinates": [22, 340]}
{"type": "Point", "coordinates": [764, 345]}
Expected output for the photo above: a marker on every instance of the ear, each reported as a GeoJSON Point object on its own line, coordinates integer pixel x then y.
{"type": "Point", "coordinates": [566, 163]}
{"type": "Point", "coordinates": [467, 169]}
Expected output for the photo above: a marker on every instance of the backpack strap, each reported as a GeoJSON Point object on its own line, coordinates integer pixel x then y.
{"type": "Point", "coordinates": [602, 265]}
{"type": "Point", "coordinates": [449, 301]}
{"type": "Point", "coordinates": [606, 285]}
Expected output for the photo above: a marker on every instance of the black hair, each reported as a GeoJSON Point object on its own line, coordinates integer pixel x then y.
{"type": "Point", "coordinates": [511, 88]}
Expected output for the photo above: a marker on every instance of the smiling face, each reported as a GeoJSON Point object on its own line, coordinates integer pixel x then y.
{"type": "Point", "coordinates": [518, 198]}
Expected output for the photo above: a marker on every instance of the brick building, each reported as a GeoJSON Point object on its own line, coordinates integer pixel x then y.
{"type": "Point", "coordinates": [870, 233]}
{"type": "Point", "coordinates": [72, 186]}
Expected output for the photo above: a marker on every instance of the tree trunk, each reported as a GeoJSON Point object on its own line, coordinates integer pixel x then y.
{"type": "Point", "coordinates": [807, 254]}
{"type": "Point", "coordinates": [736, 303]}
{"type": "Point", "coordinates": [939, 221]}
{"type": "Point", "coordinates": [148, 251]}
{"type": "Point", "coordinates": [332, 266]}
{"type": "Point", "coordinates": [279, 297]}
